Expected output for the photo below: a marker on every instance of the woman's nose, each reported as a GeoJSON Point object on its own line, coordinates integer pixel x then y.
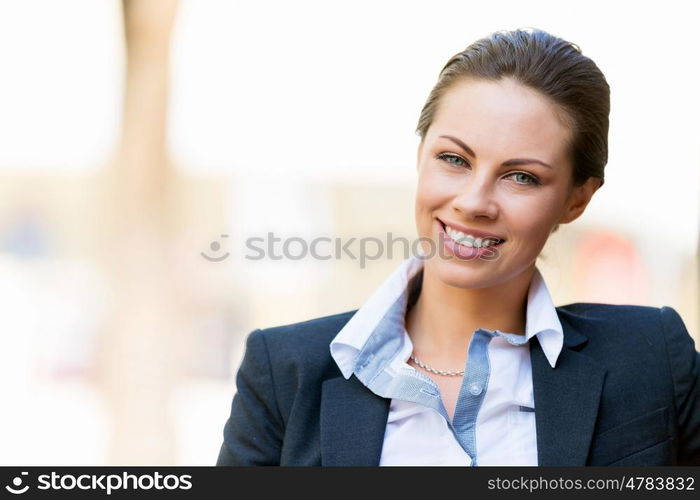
{"type": "Point", "coordinates": [475, 198]}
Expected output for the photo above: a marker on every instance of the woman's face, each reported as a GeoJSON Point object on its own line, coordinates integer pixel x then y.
{"type": "Point", "coordinates": [495, 159]}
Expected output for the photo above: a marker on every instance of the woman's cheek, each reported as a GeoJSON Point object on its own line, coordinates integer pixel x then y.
{"type": "Point", "coordinates": [433, 191]}
{"type": "Point", "coordinates": [424, 196]}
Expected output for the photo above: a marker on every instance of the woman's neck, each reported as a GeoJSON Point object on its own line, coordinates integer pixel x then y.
{"type": "Point", "coordinates": [444, 317]}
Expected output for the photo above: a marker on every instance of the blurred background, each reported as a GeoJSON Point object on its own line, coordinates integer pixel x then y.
{"type": "Point", "coordinates": [143, 141]}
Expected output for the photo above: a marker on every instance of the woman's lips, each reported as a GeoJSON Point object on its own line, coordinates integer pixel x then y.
{"type": "Point", "coordinates": [476, 233]}
{"type": "Point", "coordinates": [464, 252]}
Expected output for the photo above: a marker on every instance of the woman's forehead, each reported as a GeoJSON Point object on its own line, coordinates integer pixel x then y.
{"type": "Point", "coordinates": [502, 116]}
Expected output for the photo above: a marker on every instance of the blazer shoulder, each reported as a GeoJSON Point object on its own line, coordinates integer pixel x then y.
{"type": "Point", "coordinates": [621, 320]}
{"type": "Point", "coordinates": [307, 340]}
{"type": "Point", "coordinates": [597, 310]}
{"type": "Point", "coordinates": [310, 329]}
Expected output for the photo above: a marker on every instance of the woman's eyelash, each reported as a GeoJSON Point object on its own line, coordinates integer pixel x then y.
{"type": "Point", "coordinates": [445, 156]}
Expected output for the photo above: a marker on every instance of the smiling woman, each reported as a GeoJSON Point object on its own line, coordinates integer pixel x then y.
{"type": "Point", "coordinates": [461, 357]}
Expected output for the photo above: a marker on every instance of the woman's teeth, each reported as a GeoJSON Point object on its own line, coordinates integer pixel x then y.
{"type": "Point", "coordinates": [468, 240]}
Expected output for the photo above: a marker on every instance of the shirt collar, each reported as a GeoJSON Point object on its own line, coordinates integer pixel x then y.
{"type": "Point", "coordinates": [541, 317]}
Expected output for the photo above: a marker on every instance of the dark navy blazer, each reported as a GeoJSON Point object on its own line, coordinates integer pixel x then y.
{"type": "Point", "coordinates": [625, 391]}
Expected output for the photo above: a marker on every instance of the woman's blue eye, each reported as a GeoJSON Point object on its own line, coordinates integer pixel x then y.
{"type": "Point", "coordinates": [447, 157]}
{"type": "Point", "coordinates": [459, 162]}
{"type": "Point", "coordinates": [528, 179]}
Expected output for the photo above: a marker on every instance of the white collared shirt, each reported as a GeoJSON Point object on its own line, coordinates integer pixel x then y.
{"type": "Point", "coordinates": [494, 418]}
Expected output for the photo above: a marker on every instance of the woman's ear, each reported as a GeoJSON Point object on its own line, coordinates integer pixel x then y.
{"type": "Point", "coordinates": [579, 198]}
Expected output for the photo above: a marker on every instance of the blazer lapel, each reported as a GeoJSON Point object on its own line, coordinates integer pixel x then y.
{"type": "Point", "coordinates": [353, 421]}
{"type": "Point", "coordinates": [566, 401]}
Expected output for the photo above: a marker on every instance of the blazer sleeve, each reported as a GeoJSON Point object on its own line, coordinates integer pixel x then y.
{"type": "Point", "coordinates": [684, 361]}
{"type": "Point", "coordinates": [253, 432]}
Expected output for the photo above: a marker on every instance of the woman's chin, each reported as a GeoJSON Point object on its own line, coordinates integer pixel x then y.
{"type": "Point", "coordinates": [458, 275]}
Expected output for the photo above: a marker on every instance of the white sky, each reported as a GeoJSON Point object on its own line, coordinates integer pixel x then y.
{"type": "Point", "coordinates": [60, 91]}
{"type": "Point", "coordinates": [333, 90]}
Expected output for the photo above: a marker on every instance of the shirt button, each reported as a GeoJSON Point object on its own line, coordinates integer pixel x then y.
{"type": "Point", "coordinates": [475, 389]}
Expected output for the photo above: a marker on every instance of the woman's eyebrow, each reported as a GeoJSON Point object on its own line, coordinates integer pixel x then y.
{"type": "Point", "coordinates": [513, 162]}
